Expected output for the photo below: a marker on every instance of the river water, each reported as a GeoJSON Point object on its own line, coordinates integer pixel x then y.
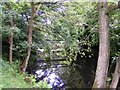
{"type": "Point", "coordinates": [60, 76]}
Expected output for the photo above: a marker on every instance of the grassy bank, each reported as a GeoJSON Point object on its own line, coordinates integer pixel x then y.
{"type": "Point", "coordinates": [10, 77]}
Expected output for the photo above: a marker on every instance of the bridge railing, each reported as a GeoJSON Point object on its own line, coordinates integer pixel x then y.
{"type": "Point", "coordinates": [57, 51]}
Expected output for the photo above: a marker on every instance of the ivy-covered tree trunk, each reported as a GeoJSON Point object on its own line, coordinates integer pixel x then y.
{"type": "Point", "coordinates": [25, 63]}
{"type": "Point", "coordinates": [11, 39]}
{"type": "Point", "coordinates": [116, 74]}
{"type": "Point", "coordinates": [103, 58]}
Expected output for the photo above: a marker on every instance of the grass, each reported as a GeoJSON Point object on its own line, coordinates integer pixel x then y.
{"type": "Point", "coordinates": [10, 77]}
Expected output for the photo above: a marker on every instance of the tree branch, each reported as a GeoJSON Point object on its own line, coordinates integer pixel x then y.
{"type": "Point", "coordinates": [113, 7]}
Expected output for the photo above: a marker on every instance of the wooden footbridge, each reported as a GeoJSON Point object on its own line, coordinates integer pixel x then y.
{"type": "Point", "coordinates": [56, 51]}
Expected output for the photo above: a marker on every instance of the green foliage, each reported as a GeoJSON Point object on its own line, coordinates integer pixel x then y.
{"type": "Point", "coordinates": [42, 84]}
{"type": "Point", "coordinates": [11, 78]}
{"type": "Point", "coordinates": [68, 26]}
{"type": "Point", "coordinates": [77, 26]}
{"type": "Point", "coordinates": [114, 28]}
{"type": "Point", "coordinates": [20, 35]}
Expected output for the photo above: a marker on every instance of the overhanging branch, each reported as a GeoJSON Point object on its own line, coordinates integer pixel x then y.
{"type": "Point", "coordinates": [113, 7]}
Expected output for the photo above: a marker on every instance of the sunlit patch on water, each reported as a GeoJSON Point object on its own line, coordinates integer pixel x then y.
{"type": "Point", "coordinates": [51, 77]}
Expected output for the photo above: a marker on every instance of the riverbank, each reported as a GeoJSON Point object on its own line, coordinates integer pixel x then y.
{"type": "Point", "coordinates": [11, 78]}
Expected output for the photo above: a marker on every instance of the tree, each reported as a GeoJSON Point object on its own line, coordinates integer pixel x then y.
{"type": "Point", "coordinates": [104, 48]}
{"type": "Point", "coordinates": [116, 75]}
{"type": "Point", "coordinates": [25, 63]}
{"type": "Point", "coordinates": [11, 38]}
{"type": "Point", "coordinates": [11, 33]}
{"type": "Point", "coordinates": [103, 59]}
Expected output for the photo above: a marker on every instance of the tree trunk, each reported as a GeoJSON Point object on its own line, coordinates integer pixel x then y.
{"type": "Point", "coordinates": [24, 65]}
{"type": "Point", "coordinates": [103, 58]}
{"type": "Point", "coordinates": [11, 39]}
{"type": "Point", "coordinates": [116, 75]}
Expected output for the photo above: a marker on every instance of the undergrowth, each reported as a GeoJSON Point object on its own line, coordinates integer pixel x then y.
{"type": "Point", "coordinates": [11, 78]}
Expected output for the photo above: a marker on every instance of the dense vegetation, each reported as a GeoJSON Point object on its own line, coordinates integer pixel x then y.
{"type": "Point", "coordinates": [27, 27]}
